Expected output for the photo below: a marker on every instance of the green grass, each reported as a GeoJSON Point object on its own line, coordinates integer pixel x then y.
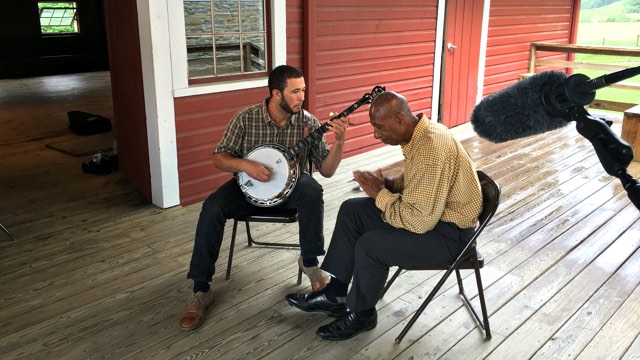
{"type": "Point", "coordinates": [602, 27]}
{"type": "Point", "coordinates": [608, 93]}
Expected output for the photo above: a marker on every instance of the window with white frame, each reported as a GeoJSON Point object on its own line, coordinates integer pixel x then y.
{"type": "Point", "coordinates": [226, 39]}
{"type": "Point", "coordinates": [58, 17]}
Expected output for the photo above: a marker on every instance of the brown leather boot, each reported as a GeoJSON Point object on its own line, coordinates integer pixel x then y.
{"type": "Point", "coordinates": [193, 314]}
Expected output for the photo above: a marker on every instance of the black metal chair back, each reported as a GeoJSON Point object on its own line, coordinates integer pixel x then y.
{"type": "Point", "coordinates": [469, 259]}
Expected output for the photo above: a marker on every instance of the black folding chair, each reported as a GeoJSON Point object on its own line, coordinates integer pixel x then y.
{"type": "Point", "coordinates": [268, 215]}
{"type": "Point", "coordinates": [265, 215]}
{"type": "Point", "coordinates": [469, 259]}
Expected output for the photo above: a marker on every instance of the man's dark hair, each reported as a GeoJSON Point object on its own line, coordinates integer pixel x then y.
{"type": "Point", "coordinates": [279, 76]}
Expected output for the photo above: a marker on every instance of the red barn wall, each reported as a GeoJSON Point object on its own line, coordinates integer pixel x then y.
{"type": "Point", "coordinates": [363, 43]}
{"type": "Point", "coordinates": [513, 25]}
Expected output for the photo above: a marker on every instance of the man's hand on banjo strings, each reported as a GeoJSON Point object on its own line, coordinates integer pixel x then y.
{"type": "Point", "coordinates": [258, 171]}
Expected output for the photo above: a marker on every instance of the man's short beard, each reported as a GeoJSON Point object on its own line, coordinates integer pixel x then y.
{"type": "Point", "coordinates": [284, 106]}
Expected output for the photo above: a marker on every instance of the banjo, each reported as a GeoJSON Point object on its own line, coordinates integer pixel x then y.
{"type": "Point", "coordinates": [282, 162]}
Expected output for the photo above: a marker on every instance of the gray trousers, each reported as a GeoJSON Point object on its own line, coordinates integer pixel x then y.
{"type": "Point", "coordinates": [363, 247]}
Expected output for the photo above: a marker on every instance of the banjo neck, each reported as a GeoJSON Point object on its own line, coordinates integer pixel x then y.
{"type": "Point", "coordinates": [316, 135]}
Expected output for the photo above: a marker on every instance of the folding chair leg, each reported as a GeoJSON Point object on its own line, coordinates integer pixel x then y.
{"type": "Point", "coordinates": [251, 241]}
{"type": "Point", "coordinates": [249, 238]}
{"type": "Point", "coordinates": [420, 310]}
{"type": "Point", "coordinates": [231, 247]}
{"type": "Point", "coordinates": [459, 278]}
{"type": "Point", "coordinates": [484, 322]}
{"type": "Point", "coordinates": [390, 282]}
{"type": "Point", "coordinates": [483, 305]}
{"type": "Point", "coordinates": [426, 302]}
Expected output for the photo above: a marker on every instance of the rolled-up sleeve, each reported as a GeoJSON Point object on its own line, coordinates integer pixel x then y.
{"type": "Point", "coordinates": [232, 138]}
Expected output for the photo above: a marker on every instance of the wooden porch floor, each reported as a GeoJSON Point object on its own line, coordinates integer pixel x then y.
{"type": "Point", "coordinates": [96, 272]}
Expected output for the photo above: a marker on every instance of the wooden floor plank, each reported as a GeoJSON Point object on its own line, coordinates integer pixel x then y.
{"type": "Point", "coordinates": [633, 352]}
{"type": "Point", "coordinates": [570, 289]}
{"type": "Point", "coordinates": [576, 333]}
{"type": "Point", "coordinates": [613, 340]}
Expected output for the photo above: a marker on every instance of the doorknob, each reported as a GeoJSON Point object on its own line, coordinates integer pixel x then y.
{"type": "Point", "coordinates": [450, 46]}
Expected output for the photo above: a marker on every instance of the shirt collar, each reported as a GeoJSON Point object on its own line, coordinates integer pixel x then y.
{"type": "Point", "coordinates": [267, 118]}
{"type": "Point", "coordinates": [419, 130]}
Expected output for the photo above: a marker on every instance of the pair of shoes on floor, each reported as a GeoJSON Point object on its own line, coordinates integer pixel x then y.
{"type": "Point", "coordinates": [193, 314]}
{"type": "Point", "coordinates": [347, 325]}
{"type": "Point", "coordinates": [101, 164]}
{"type": "Point", "coordinates": [318, 277]}
{"type": "Point", "coordinates": [316, 302]}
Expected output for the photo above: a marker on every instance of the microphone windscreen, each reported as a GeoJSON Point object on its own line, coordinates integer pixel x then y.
{"type": "Point", "coordinates": [517, 111]}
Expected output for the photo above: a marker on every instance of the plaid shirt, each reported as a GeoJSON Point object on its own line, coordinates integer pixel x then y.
{"type": "Point", "coordinates": [252, 127]}
{"type": "Point", "coordinates": [439, 183]}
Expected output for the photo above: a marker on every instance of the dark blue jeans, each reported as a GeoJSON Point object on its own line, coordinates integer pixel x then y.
{"type": "Point", "coordinates": [228, 202]}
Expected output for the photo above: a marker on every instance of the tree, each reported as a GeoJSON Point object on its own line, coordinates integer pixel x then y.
{"type": "Point", "coordinates": [593, 4]}
{"type": "Point", "coordinates": [632, 6]}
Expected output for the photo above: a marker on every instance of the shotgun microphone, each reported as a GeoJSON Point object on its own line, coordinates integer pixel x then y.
{"type": "Point", "coordinates": [538, 104]}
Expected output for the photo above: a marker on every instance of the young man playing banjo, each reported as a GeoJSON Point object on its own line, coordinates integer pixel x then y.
{"type": "Point", "coordinates": [279, 119]}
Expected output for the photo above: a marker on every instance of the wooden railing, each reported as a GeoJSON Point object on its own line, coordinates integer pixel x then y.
{"type": "Point", "coordinates": [538, 63]}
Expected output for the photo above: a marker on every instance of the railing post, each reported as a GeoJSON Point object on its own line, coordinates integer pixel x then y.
{"type": "Point", "coordinates": [532, 58]}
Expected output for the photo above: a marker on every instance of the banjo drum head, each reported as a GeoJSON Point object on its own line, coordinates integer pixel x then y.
{"type": "Point", "coordinates": [279, 166]}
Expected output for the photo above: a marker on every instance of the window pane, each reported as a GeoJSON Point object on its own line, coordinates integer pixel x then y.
{"type": "Point", "coordinates": [235, 33]}
{"type": "Point", "coordinates": [227, 16]}
{"type": "Point", "coordinates": [58, 17]}
{"type": "Point", "coordinates": [227, 55]}
{"type": "Point", "coordinates": [252, 15]}
{"type": "Point", "coordinates": [197, 17]}
{"type": "Point", "coordinates": [200, 56]}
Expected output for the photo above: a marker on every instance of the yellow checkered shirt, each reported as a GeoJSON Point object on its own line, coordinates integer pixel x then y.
{"type": "Point", "coordinates": [439, 182]}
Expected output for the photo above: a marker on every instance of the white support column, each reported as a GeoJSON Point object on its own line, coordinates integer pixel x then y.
{"type": "Point", "coordinates": [153, 23]}
{"type": "Point", "coordinates": [483, 49]}
{"type": "Point", "coordinates": [437, 61]}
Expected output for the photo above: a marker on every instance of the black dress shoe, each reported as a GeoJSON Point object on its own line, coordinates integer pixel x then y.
{"type": "Point", "coordinates": [316, 302]}
{"type": "Point", "coordinates": [347, 326]}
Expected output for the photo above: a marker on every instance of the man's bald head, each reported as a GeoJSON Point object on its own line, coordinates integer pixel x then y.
{"type": "Point", "coordinates": [389, 103]}
{"type": "Point", "coordinates": [391, 118]}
